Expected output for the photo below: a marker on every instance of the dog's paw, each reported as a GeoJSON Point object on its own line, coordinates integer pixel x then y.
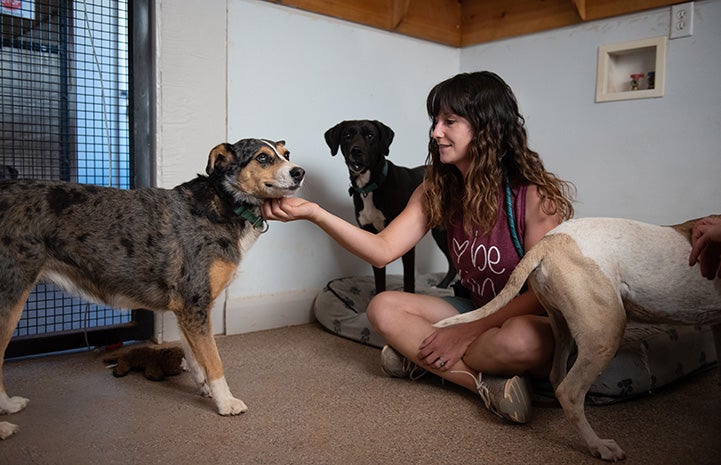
{"type": "Point", "coordinates": [12, 404]}
{"type": "Point", "coordinates": [7, 429]}
{"type": "Point", "coordinates": [232, 406]}
{"type": "Point", "coordinates": [224, 400]}
{"type": "Point", "coordinates": [608, 450]}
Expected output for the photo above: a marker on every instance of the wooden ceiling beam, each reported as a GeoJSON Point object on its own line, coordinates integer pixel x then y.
{"type": "Point", "coordinates": [460, 23]}
{"type": "Point", "coordinates": [374, 13]}
{"type": "Point", "coordinates": [488, 20]}
{"type": "Point", "coordinates": [434, 20]}
{"type": "Point", "coordinates": [597, 9]}
{"type": "Point", "coordinates": [399, 10]}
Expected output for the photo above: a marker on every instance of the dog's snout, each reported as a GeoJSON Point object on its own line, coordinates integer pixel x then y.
{"type": "Point", "coordinates": [356, 152]}
{"type": "Point", "coordinates": [297, 174]}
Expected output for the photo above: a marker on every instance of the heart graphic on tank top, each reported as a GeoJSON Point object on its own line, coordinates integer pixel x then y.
{"type": "Point", "coordinates": [459, 249]}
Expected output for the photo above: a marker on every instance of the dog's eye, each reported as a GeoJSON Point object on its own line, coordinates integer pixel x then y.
{"type": "Point", "coordinates": [287, 155]}
{"type": "Point", "coordinates": [346, 135]}
{"type": "Point", "coordinates": [263, 158]}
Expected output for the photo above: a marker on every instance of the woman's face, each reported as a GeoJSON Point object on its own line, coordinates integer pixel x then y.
{"type": "Point", "coordinates": [453, 134]}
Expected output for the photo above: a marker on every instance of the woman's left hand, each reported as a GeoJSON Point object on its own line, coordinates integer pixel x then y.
{"type": "Point", "coordinates": [445, 346]}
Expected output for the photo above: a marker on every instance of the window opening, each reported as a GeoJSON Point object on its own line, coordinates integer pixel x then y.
{"type": "Point", "coordinates": [65, 114]}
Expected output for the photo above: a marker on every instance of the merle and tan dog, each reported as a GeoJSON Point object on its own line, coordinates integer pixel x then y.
{"type": "Point", "coordinates": [166, 250]}
{"type": "Point", "coordinates": [593, 274]}
{"type": "Point", "coordinates": [381, 189]}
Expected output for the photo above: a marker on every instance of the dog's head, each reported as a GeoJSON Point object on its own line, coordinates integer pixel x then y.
{"type": "Point", "coordinates": [252, 170]}
{"type": "Point", "coordinates": [8, 172]}
{"type": "Point", "coordinates": [363, 143]}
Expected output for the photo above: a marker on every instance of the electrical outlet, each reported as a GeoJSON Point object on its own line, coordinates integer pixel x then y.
{"type": "Point", "coordinates": [681, 20]}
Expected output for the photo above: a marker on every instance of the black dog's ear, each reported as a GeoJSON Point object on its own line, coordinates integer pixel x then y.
{"type": "Point", "coordinates": [220, 158]}
{"type": "Point", "coordinates": [386, 136]}
{"type": "Point", "coordinates": [332, 138]}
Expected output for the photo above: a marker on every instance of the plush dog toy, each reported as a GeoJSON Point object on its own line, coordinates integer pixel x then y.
{"type": "Point", "coordinates": [155, 363]}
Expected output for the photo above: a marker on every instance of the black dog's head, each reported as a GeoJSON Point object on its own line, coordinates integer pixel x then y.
{"type": "Point", "coordinates": [8, 172]}
{"type": "Point", "coordinates": [363, 143]}
{"type": "Point", "coordinates": [254, 169]}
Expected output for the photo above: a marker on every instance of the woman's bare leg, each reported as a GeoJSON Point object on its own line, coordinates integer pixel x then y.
{"type": "Point", "coordinates": [522, 345]}
{"type": "Point", "coordinates": [405, 320]}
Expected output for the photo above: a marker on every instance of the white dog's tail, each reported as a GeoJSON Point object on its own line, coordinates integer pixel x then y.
{"type": "Point", "coordinates": [525, 267]}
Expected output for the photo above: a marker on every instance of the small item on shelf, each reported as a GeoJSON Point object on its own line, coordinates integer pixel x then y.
{"type": "Point", "coordinates": [651, 79]}
{"type": "Point", "coordinates": [634, 80]}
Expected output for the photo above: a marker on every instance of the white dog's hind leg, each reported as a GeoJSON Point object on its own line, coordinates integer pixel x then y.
{"type": "Point", "coordinates": [575, 289]}
{"type": "Point", "coordinates": [562, 349]}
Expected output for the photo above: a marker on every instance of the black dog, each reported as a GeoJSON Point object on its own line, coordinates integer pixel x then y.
{"type": "Point", "coordinates": [381, 189]}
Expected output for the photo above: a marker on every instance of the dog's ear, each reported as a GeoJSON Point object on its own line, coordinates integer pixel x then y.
{"type": "Point", "coordinates": [221, 156]}
{"type": "Point", "coordinates": [386, 136]}
{"type": "Point", "coordinates": [332, 138]}
{"type": "Point", "coordinates": [280, 147]}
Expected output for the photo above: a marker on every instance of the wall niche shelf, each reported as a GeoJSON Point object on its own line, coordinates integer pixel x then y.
{"type": "Point", "coordinates": [631, 70]}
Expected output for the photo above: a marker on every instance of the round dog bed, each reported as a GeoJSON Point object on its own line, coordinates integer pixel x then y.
{"type": "Point", "coordinates": [650, 357]}
{"type": "Point", "coordinates": [340, 307]}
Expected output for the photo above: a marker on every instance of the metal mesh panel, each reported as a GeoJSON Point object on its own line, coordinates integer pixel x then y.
{"type": "Point", "coordinates": [64, 89]}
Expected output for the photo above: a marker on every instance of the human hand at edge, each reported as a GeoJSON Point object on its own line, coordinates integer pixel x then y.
{"type": "Point", "coordinates": [706, 246]}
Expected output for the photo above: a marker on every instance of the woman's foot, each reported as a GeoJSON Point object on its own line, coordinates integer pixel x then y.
{"type": "Point", "coordinates": [509, 398]}
{"type": "Point", "coordinates": [396, 365]}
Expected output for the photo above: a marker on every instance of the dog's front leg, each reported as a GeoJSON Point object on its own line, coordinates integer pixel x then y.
{"type": "Point", "coordinates": [196, 371]}
{"type": "Point", "coordinates": [409, 270]}
{"type": "Point", "coordinates": [379, 275]}
{"type": "Point", "coordinates": [9, 405]}
{"type": "Point", "coordinates": [207, 369]}
{"type": "Point", "coordinates": [16, 403]}
{"type": "Point", "coordinates": [7, 429]}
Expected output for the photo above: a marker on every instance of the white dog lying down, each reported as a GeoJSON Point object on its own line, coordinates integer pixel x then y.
{"type": "Point", "coordinates": [591, 275]}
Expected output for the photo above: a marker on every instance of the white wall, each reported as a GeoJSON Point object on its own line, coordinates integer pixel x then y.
{"type": "Point", "coordinates": [245, 68]}
{"type": "Point", "coordinates": [292, 76]}
{"type": "Point", "coordinates": [656, 160]}
{"type": "Point", "coordinates": [191, 102]}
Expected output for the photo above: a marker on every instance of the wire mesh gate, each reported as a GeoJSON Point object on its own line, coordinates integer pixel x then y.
{"type": "Point", "coordinates": [66, 112]}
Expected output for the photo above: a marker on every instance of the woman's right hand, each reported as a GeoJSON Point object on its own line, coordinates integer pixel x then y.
{"type": "Point", "coordinates": [288, 209]}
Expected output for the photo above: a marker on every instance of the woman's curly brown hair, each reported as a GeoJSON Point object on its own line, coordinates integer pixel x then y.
{"type": "Point", "coordinates": [499, 149]}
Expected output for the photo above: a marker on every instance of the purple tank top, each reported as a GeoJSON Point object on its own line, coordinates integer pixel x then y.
{"type": "Point", "coordinates": [484, 263]}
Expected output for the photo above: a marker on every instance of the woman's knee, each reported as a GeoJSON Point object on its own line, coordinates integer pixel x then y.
{"type": "Point", "coordinates": [381, 308]}
{"type": "Point", "coordinates": [524, 341]}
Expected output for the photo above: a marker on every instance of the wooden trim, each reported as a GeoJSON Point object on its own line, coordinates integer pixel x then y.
{"type": "Point", "coordinates": [462, 23]}
{"type": "Point", "coordinates": [597, 9]}
{"type": "Point", "coordinates": [497, 19]}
